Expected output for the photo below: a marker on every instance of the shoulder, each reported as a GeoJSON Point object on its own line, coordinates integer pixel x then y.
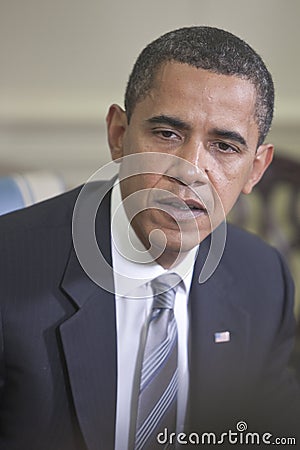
{"type": "Point", "coordinates": [257, 267]}
{"type": "Point", "coordinates": [43, 228]}
{"type": "Point", "coordinates": [52, 213]}
{"type": "Point", "coordinates": [34, 237]}
{"type": "Point", "coordinates": [56, 210]}
{"type": "Point", "coordinates": [247, 247]}
{"type": "Point", "coordinates": [35, 242]}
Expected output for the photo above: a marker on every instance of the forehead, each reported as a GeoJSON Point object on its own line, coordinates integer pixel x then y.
{"type": "Point", "coordinates": [197, 95]}
{"type": "Point", "coordinates": [185, 80]}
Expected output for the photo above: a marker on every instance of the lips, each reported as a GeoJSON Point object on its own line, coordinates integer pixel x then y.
{"type": "Point", "coordinates": [181, 208]}
{"type": "Point", "coordinates": [183, 204]}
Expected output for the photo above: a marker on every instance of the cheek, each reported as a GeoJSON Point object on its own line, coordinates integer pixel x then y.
{"type": "Point", "coordinates": [136, 188]}
{"type": "Point", "coordinates": [228, 183]}
{"type": "Point", "coordinates": [135, 142]}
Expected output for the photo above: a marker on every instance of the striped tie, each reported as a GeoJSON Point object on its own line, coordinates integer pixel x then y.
{"type": "Point", "coordinates": [157, 402]}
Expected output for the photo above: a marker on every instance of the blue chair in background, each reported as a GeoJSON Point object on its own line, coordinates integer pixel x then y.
{"type": "Point", "coordinates": [20, 190]}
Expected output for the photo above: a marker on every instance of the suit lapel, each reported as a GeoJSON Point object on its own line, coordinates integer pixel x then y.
{"type": "Point", "coordinates": [216, 367]}
{"type": "Point", "coordinates": [89, 344]}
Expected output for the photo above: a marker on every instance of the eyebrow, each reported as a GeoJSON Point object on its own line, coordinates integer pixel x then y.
{"type": "Point", "coordinates": [228, 134]}
{"type": "Point", "coordinates": [170, 121]}
{"type": "Point", "coordinates": [180, 124]}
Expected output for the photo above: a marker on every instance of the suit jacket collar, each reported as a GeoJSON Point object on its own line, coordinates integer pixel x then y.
{"type": "Point", "coordinates": [89, 341]}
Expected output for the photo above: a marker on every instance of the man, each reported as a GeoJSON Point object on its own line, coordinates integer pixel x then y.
{"type": "Point", "coordinates": [198, 107]}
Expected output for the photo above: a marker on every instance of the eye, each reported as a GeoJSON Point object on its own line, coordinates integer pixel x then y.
{"type": "Point", "coordinates": [166, 134]}
{"type": "Point", "coordinates": [223, 147]}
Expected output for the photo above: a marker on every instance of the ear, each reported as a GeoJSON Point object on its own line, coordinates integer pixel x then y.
{"type": "Point", "coordinates": [261, 162]}
{"type": "Point", "coordinates": [116, 122]}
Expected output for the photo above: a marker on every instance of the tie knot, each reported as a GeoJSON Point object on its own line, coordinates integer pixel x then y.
{"type": "Point", "coordinates": [164, 290]}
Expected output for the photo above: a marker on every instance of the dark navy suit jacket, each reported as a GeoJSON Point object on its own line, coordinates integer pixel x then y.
{"type": "Point", "coordinates": [58, 366]}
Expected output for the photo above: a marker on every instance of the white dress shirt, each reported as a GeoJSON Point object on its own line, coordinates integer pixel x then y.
{"type": "Point", "coordinates": [133, 272]}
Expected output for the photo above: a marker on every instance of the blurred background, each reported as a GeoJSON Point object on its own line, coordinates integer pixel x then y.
{"type": "Point", "coordinates": [63, 62]}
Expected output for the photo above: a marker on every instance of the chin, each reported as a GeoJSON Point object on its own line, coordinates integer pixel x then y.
{"type": "Point", "coordinates": [180, 243]}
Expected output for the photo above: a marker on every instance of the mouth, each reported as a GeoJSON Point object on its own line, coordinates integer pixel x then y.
{"type": "Point", "coordinates": [182, 209]}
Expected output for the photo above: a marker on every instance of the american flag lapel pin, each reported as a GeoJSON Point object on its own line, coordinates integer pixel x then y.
{"type": "Point", "coordinates": [222, 336]}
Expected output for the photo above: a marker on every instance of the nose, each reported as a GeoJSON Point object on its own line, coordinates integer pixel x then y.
{"type": "Point", "coordinates": [190, 165]}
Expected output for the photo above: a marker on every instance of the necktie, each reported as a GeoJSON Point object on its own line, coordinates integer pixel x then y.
{"type": "Point", "coordinates": [157, 402]}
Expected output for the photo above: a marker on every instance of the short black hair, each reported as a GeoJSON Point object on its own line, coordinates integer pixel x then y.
{"type": "Point", "coordinates": [207, 48]}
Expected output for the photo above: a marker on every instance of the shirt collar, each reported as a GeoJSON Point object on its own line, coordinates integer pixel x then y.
{"type": "Point", "coordinates": [132, 264]}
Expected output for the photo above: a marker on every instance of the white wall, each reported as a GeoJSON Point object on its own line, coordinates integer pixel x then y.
{"type": "Point", "coordinates": [64, 61]}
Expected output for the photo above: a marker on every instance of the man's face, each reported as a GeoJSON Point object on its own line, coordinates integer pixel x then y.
{"type": "Point", "coordinates": [200, 117]}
